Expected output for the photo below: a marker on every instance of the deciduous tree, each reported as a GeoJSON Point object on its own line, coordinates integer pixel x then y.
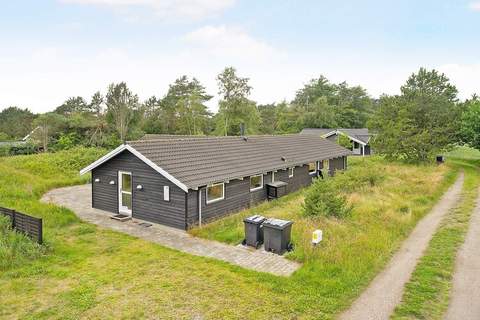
{"type": "Point", "coordinates": [16, 122]}
{"type": "Point", "coordinates": [234, 107]}
{"type": "Point", "coordinates": [121, 107]}
{"type": "Point", "coordinates": [420, 122]}
{"type": "Point", "coordinates": [470, 127]}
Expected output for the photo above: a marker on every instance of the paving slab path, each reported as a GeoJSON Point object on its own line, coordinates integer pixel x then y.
{"type": "Point", "coordinates": [379, 299]}
{"type": "Point", "coordinates": [465, 302]}
{"type": "Point", "coordinates": [79, 199]}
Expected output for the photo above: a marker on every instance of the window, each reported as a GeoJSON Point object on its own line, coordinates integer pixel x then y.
{"type": "Point", "coordinates": [326, 165]}
{"type": "Point", "coordinates": [166, 193]}
{"type": "Point", "coordinates": [215, 192]}
{"type": "Point", "coordinates": [256, 182]}
{"type": "Point", "coordinates": [312, 168]}
{"type": "Point", "coordinates": [290, 172]}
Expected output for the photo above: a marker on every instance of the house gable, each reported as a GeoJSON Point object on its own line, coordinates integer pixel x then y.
{"type": "Point", "coordinates": [123, 147]}
{"type": "Point", "coordinates": [148, 201]}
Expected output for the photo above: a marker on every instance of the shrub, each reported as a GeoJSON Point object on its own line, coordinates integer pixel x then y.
{"type": "Point", "coordinates": [345, 142]}
{"type": "Point", "coordinates": [358, 177]}
{"type": "Point", "coordinates": [17, 149]}
{"type": "Point", "coordinates": [67, 141]}
{"type": "Point", "coordinates": [323, 198]}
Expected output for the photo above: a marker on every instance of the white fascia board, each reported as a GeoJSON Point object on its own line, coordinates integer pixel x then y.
{"type": "Point", "coordinates": [158, 169]}
{"type": "Point", "coordinates": [106, 157]}
{"type": "Point", "coordinates": [141, 157]}
{"type": "Point", "coordinates": [331, 133]}
{"type": "Point", "coordinates": [351, 138]}
{"type": "Point", "coordinates": [356, 140]}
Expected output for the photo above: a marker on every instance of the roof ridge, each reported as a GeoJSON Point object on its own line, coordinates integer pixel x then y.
{"type": "Point", "coordinates": [193, 138]}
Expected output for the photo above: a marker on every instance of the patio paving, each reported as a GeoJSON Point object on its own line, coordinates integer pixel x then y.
{"type": "Point", "coordinates": [79, 199]}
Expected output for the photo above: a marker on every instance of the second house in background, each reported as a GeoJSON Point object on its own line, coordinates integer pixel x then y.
{"type": "Point", "coordinates": [359, 138]}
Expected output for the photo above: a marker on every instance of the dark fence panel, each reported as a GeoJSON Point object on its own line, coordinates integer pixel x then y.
{"type": "Point", "coordinates": [29, 225]}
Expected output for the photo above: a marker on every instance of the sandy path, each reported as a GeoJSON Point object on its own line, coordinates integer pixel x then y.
{"type": "Point", "coordinates": [385, 291]}
{"type": "Point", "coordinates": [465, 303]}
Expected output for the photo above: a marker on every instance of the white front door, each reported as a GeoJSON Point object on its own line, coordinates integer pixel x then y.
{"type": "Point", "coordinates": [125, 192]}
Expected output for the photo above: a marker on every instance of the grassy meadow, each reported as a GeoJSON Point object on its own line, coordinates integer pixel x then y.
{"type": "Point", "coordinates": [91, 273]}
{"type": "Point", "coordinates": [382, 214]}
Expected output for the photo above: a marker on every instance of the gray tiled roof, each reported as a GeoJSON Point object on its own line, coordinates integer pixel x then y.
{"type": "Point", "coordinates": [361, 134]}
{"type": "Point", "coordinates": [156, 136]}
{"type": "Point", "coordinates": [12, 143]}
{"type": "Point", "coordinates": [198, 161]}
{"type": "Point", "coordinates": [317, 131]}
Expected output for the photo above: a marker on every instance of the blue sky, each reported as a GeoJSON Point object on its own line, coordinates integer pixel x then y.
{"type": "Point", "coordinates": [50, 50]}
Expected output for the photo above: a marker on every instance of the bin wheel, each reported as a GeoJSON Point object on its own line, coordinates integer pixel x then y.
{"type": "Point", "coordinates": [244, 242]}
{"type": "Point", "coordinates": [257, 244]}
{"type": "Point", "coordinates": [290, 247]}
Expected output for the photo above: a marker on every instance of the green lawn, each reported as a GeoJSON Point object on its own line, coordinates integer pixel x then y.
{"type": "Point", "coordinates": [87, 272]}
{"type": "Point", "coordinates": [428, 292]}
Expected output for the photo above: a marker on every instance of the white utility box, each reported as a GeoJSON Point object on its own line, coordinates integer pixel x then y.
{"type": "Point", "coordinates": [317, 236]}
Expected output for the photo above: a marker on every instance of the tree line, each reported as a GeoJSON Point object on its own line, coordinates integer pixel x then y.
{"type": "Point", "coordinates": [425, 118]}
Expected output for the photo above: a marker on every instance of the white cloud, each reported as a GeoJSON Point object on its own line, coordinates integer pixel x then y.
{"type": "Point", "coordinates": [464, 77]}
{"type": "Point", "coordinates": [475, 6]}
{"type": "Point", "coordinates": [42, 78]}
{"type": "Point", "coordinates": [234, 43]}
{"type": "Point", "coordinates": [166, 9]}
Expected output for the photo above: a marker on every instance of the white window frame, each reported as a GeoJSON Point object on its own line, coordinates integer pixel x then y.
{"type": "Point", "coordinates": [291, 172]}
{"type": "Point", "coordinates": [315, 165]}
{"type": "Point", "coordinates": [217, 199]}
{"type": "Point", "coordinates": [121, 208]}
{"type": "Point", "coordinates": [261, 183]}
{"type": "Point", "coordinates": [166, 193]}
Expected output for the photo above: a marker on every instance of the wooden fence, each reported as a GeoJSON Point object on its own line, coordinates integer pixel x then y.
{"type": "Point", "coordinates": [29, 225]}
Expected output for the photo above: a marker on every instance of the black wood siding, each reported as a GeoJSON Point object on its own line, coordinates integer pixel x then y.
{"type": "Point", "coordinates": [182, 210]}
{"type": "Point", "coordinates": [238, 195]}
{"type": "Point", "coordinates": [337, 164]}
{"type": "Point", "coordinates": [368, 150]}
{"type": "Point", "coordinates": [148, 203]}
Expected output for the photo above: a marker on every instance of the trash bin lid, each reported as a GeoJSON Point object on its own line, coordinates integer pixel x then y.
{"type": "Point", "coordinates": [277, 184]}
{"type": "Point", "coordinates": [277, 223]}
{"type": "Point", "coordinates": [256, 219]}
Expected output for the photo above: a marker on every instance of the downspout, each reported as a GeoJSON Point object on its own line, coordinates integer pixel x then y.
{"type": "Point", "coordinates": [186, 210]}
{"type": "Point", "coordinates": [199, 207]}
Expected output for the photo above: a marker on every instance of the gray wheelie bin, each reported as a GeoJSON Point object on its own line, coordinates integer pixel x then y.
{"type": "Point", "coordinates": [253, 231]}
{"type": "Point", "coordinates": [276, 234]}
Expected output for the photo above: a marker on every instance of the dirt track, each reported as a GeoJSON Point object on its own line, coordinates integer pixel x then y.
{"type": "Point", "coordinates": [465, 303]}
{"type": "Point", "coordinates": [385, 291]}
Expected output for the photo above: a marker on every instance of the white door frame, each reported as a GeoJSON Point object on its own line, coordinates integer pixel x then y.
{"type": "Point", "coordinates": [121, 208]}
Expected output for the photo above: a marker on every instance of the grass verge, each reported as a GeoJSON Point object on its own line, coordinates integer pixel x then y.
{"type": "Point", "coordinates": [16, 248]}
{"type": "Point", "coordinates": [427, 293]}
